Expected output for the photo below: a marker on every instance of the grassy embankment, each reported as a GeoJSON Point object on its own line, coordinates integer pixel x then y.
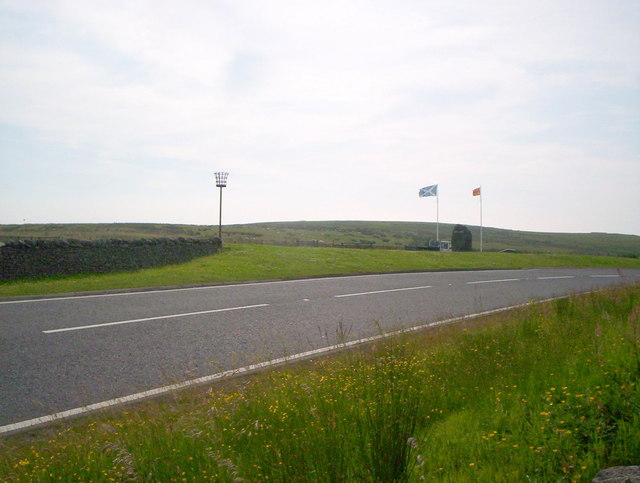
{"type": "Point", "coordinates": [258, 262]}
{"type": "Point", "coordinates": [546, 393]}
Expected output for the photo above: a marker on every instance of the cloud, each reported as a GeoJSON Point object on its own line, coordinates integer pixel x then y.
{"type": "Point", "coordinates": [353, 103]}
{"type": "Point", "coordinates": [243, 71]}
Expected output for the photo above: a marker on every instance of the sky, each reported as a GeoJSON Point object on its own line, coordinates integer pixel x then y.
{"type": "Point", "coordinates": [122, 110]}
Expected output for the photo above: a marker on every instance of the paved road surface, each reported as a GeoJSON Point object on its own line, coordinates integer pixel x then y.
{"type": "Point", "coordinates": [65, 352]}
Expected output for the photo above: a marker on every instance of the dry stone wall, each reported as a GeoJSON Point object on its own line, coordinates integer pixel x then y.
{"type": "Point", "coordinates": [28, 259]}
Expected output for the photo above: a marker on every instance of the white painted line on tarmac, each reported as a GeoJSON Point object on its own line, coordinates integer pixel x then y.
{"type": "Point", "coordinates": [382, 291]}
{"type": "Point", "coordinates": [604, 276]}
{"type": "Point", "coordinates": [242, 370]}
{"type": "Point", "coordinates": [219, 286]}
{"type": "Point", "coordinates": [556, 277]}
{"type": "Point", "coordinates": [494, 281]}
{"type": "Point", "coordinates": [103, 295]}
{"type": "Point", "coordinates": [133, 321]}
{"type": "Point", "coordinates": [206, 287]}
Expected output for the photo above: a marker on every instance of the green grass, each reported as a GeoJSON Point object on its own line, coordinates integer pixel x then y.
{"type": "Point", "coordinates": [257, 262]}
{"type": "Point", "coordinates": [550, 392]}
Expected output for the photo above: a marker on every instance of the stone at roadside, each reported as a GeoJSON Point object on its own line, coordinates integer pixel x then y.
{"type": "Point", "coordinates": [619, 474]}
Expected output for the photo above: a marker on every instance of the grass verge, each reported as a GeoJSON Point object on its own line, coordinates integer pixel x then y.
{"type": "Point", "coordinates": [257, 262]}
{"type": "Point", "coordinates": [550, 392]}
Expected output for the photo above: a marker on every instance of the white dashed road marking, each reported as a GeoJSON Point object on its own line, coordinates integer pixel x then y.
{"type": "Point", "coordinates": [133, 321]}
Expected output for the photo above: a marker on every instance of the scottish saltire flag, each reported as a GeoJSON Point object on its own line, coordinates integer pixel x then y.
{"type": "Point", "coordinates": [428, 191]}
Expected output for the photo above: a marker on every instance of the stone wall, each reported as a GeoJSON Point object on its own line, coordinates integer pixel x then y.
{"type": "Point", "coordinates": [49, 258]}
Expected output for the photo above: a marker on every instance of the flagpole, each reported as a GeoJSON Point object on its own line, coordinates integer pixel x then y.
{"type": "Point", "coordinates": [432, 190]}
{"type": "Point", "coordinates": [438, 218]}
{"type": "Point", "coordinates": [480, 218]}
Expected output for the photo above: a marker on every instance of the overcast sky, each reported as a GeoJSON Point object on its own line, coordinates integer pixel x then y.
{"type": "Point", "coordinates": [121, 111]}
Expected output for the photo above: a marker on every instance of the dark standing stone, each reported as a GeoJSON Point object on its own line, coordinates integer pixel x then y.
{"type": "Point", "coordinates": [461, 239]}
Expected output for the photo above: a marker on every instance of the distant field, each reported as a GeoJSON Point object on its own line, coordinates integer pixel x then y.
{"type": "Point", "coordinates": [242, 262]}
{"type": "Point", "coordinates": [379, 234]}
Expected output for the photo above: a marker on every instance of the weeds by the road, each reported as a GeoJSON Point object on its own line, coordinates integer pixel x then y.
{"type": "Point", "coordinates": [546, 393]}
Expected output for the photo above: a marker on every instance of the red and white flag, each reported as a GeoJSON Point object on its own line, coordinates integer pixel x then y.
{"type": "Point", "coordinates": [476, 192]}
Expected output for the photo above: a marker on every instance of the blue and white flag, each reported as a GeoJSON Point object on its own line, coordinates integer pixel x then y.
{"type": "Point", "coordinates": [428, 191]}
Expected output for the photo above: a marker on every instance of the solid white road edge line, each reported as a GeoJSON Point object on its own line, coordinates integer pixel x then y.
{"type": "Point", "coordinates": [212, 287]}
{"type": "Point", "coordinates": [495, 281]}
{"type": "Point", "coordinates": [383, 291]}
{"type": "Point", "coordinates": [133, 321]}
{"type": "Point", "coordinates": [30, 423]}
{"type": "Point", "coordinates": [604, 276]}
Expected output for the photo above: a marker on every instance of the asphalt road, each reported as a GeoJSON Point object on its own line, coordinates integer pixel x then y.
{"type": "Point", "coordinates": [61, 353]}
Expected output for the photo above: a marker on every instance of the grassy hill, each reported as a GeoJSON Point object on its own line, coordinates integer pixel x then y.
{"type": "Point", "coordinates": [379, 234]}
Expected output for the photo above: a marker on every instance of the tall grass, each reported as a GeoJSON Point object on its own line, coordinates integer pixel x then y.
{"type": "Point", "coordinates": [546, 393]}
